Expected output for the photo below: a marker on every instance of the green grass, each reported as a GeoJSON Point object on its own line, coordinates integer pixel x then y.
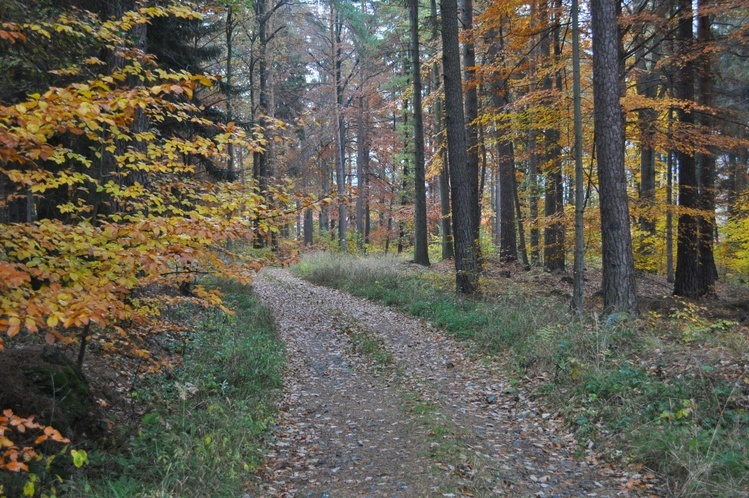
{"type": "Point", "coordinates": [204, 429]}
{"type": "Point", "coordinates": [690, 426]}
{"type": "Point", "coordinates": [496, 324]}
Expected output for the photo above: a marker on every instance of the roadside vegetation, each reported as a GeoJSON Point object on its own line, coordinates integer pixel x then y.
{"type": "Point", "coordinates": [667, 392]}
{"type": "Point", "coordinates": [198, 428]}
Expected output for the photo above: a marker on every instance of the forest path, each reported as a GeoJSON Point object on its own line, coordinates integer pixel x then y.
{"type": "Point", "coordinates": [380, 404]}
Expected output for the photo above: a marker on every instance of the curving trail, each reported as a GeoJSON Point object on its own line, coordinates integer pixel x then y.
{"type": "Point", "coordinates": [380, 404]}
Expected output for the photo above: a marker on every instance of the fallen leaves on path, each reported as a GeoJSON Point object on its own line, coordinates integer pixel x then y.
{"type": "Point", "coordinates": [435, 420]}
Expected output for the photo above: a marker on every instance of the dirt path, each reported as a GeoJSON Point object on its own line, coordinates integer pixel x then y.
{"type": "Point", "coordinates": [380, 404]}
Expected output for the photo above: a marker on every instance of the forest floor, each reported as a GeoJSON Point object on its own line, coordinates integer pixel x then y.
{"type": "Point", "coordinates": [377, 403]}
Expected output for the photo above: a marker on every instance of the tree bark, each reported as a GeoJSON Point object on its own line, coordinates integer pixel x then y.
{"type": "Point", "coordinates": [444, 177]}
{"type": "Point", "coordinates": [471, 115]}
{"type": "Point", "coordinates": [578, 273]}
{"type": "Point", "coordinates": [461, 178]}
{"type": "Point", "coordinates": [533, 197]}
{"type": "Point", "coordinates": [687, 279]}
{"type": "Point", "coordinates": [618, 262]}
{"type": "Point", "coordinates": [421, 247]}
{"type": "Point", "coordinates": [706, 161]}
{"type": "Point", "coordinates": [505, 198]}
{"type": "Point", "coordinates": [554, 188]}
{"type": "Point", "coordinates": [336, 26]}
{"type": "Point", "coordinates": [362, 160]}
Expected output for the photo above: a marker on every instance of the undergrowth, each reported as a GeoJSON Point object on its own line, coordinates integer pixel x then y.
{"type": "Point", "coordinates": [632, 388]}
{"type": "Point", "coordinates": [206, 421]}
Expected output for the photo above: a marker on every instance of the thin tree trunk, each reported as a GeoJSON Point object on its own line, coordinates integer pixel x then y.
{"type": "Point", "coordinates": [421, 247]}
{"type": "Point", "coordinates": [229, 30]}
{"type": "Point", "coordinates": [405, 193]}
{"type": "Point", "coordinates": [579, 264]}
{"type": "Point", "coordinates": [533, 197]}
{"type": "Point", "coordinates": [444, 178]}
{"type": "Point", "coordinates": [521, 230]}
{"type": "Point", "coordinates": [554, 187]}
{"type": "Point", "coordinates": [324, 219]}
{"type": "Point", "coordinates": [335, 32]}
{"type": "Point", "coordinates": [647, 83]}
{"type": "Point", "coordinates": [361, 159]}
{"type": "Point", "coordinates": [505, 163]}
{"type": "Point", "coordinates": [669, 215]}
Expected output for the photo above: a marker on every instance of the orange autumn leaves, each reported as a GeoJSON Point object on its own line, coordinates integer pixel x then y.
{"type": "Point", "coordinates": [13, 457]}
{"type": "Point", "coordinates": [116, 164]}
{"type": "Point", "coordinates": [149, 218]}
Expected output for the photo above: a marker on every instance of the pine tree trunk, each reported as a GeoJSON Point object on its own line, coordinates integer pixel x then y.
{"type": "Point", "coordinates": [706, 162]}
{"type": "Point", "coordinates": [421, 247]}
{"type": "Point", "coordinates": [336, 26]}
{"type": "Point", "coordinates": [618, 262]}
{"type": "Point", "coordinates": [471, 115]}
{"type": "Point", "coordinates": [444, 177]}
{"type": "Point", "coordinates": [507, 236]}
{"type": "Point", "coordinates": [461, 177]}
{"type": "Point", "coordinates": [554, 188]}
{"type": "Point", "coordinates": [578, 278]}
{"type": "Point", "coordinates": [687, 280]}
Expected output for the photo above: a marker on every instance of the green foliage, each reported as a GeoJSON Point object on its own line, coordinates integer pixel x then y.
{"type": "Point", "coordinates": [206, 422]}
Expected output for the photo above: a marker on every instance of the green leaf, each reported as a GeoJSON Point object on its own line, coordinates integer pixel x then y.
{"type": "Point", "coordinates": [28, 488]}
{"type": "Point", "coordinates": [80, 457]}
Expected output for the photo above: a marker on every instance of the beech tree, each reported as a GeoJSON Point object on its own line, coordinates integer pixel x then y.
{"type": "Point", "coordinates": [152, 219]}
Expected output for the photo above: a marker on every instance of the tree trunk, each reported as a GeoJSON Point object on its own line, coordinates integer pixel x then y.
{"type": "Point", "coordinates": [505, 198]}
{"type": "Point", "coordinates": [260, 161]}
{"type": "Point", "coordinates": [687, 278]}
{"type": "Point", "coordinates": [421, 244]}
{"type": "Point", "coordinates": [464, 202]}
{"type": "Point", "coordinates": [521, 230]}
{"type": "Point", "coordinates": [362, 160]}
{"type": "Point", "coordinates": [444, 178]}
{"type": "Point", "coordinates": [646, 120]}
{"type": "Point", "coordinates": [706, 162]}
{"type": "Point", "coordinates": [324, 219]}
{"type": "Point", "coordinates": [229, 31]}
{"type": "Point", "coordinates": [618, 262]}
{"type": "Point", "coordinates": [508, 245]}
{"type": "Point", "coordinates": [471, 115]}
{"type": "Point", "coordinates": [578, 278]}
{"type": "Point", "coordinates": [669, 215]}
{"type": "Point", "coordinates": [405, 192]}
{"type": "Point", "coordinates": [554, 187]}
{"type": "Point", "coordinates": [336, 26]}
{"type": "Point", "coordinates": [533, 197]}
